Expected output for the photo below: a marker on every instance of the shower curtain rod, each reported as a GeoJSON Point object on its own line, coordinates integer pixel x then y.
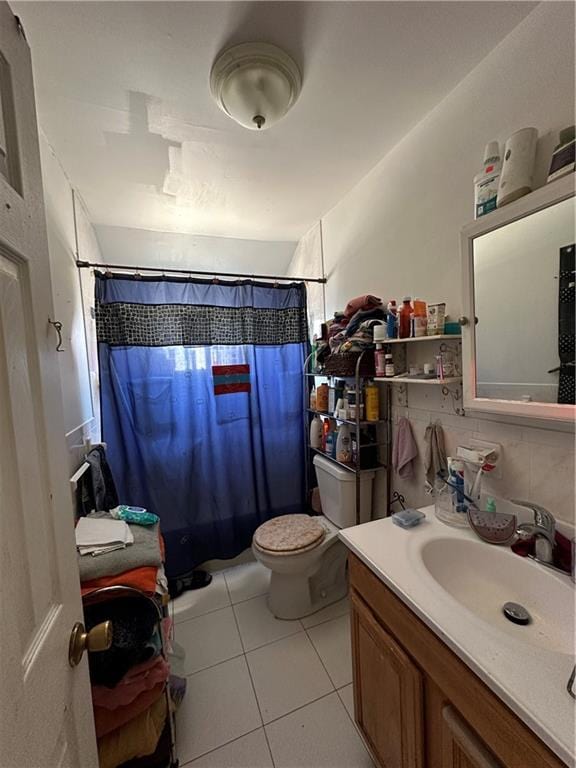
{"type": "Point", "coordinates": [109, 267]}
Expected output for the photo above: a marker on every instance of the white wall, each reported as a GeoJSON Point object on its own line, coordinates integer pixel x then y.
{"type": "Point", "coordinates": [307, 262]}
{"type": "Point", "coordinates": [80, 419]}
{"type": "Point", "coordinates": [143, 247]}
{"type": "Point", "coordinates": [397, 231]}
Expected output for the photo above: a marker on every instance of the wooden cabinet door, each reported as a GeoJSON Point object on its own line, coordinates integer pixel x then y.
{"type": "Point", "coordinates": [387, 693]}
{"type": "Point", "coordinates": [461, 747]}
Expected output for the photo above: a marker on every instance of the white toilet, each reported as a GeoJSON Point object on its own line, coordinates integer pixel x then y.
{"type": "Point", "coordinates": [307, 560]}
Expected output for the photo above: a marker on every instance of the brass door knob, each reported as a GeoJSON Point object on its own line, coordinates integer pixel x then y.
{"type": "Point", "coordinates": [99, 638]}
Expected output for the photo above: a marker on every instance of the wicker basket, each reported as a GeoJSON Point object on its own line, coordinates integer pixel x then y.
{"type": "Point", "coordinates": [344, 364]}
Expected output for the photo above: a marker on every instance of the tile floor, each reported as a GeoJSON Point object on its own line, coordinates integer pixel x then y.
{"type": "Point", "coordinates": [264, 693]}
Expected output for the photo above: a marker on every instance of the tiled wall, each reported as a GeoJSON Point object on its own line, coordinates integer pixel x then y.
{"type": "Point", "coordinates": [536, 464]}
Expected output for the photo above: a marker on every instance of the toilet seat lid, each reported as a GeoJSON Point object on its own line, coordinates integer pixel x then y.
{"type": "Point", "coordinates": [289, 533]}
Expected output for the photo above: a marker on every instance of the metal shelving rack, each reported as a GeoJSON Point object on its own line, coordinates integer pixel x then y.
{"type": "Point", "coordinates": [358, 423]}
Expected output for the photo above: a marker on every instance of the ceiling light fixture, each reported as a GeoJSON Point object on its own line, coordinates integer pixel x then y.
{"type": "Point", "coordinates": [255, 84]}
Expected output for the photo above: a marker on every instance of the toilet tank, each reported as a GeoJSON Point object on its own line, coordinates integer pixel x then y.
{"type": "Point", "coordinates": [337, 488]}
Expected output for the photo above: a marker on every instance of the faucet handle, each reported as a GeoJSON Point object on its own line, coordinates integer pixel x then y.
{"type": "Point", "coordinates": [542, 517]}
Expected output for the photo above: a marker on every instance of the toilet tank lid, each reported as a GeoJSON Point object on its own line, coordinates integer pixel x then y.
{"type": "Point", "coordinates": [344, 475]}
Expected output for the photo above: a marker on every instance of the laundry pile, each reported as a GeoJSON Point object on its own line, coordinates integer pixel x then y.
{"type": "Point", "coordinates": [353, 329]}
{"type": "Point", "coordinates": [139, 680]}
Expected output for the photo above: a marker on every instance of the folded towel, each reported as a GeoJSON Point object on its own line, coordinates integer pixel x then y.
{"type": "Point", "coordinates": [144, 551]}
{"type": "Point", "coordinates": [435, 461]}
{"type": "Point", "coordinates": [367, 301]}
{"type": "Point", "coordinates": [404, 450]}
{"type": "Point", "coordinates": [96, 535]}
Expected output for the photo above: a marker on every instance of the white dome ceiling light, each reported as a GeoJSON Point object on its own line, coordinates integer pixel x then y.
{"type": "Point", "coordinates": [255, 84]}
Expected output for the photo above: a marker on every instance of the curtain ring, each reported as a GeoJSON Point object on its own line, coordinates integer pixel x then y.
{"type": "Point", "coordinates": [137, 276]}
{"type": "Point", "coordinates": [58, 328]}
{"type": "Point", "coordinates": [215, 280]}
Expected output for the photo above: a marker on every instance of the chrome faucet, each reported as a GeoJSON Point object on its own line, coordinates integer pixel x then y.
{"type": "Point", "coordinates": [543, 529]}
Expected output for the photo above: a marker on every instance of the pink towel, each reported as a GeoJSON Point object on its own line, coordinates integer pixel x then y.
{"type": "Point", "coordinates": [142, 677]}
{"type": "Point", "coordinates": [404, 450]}
{"type": "Point", "coordinates": [361, 302]}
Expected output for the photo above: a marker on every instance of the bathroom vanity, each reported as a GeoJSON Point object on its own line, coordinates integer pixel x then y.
{"type": "Point", "coordinates": [441, 678]}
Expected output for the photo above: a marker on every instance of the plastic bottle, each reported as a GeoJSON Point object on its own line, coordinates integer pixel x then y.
{"type": "Point", "coordinates": [344, 445]}
{"type": "Point", "coordinates": [326, 429]}
{"type": "Point", "coordinates": [316, 433]}
{"type": "Point", "coordinates": [330, 442]}
{"type": "Point", "coordinates": [420, 320]}
{"type": "Point", "coordinates": [322, 398]}
{"type": "Point", "coordinates": [372, 401]}
{"type": "Point", "coordinates": [490, 504]}
{"type": "Point", "coordinates": [313, 399]}
{"type": "Point", "coordinates": [391, 329]}
{"type": "Point", "coordinates": [404, 320]}
{"type": "Point", "coordinates": [389, 366]}
{"type": "Point", "coordinates": [486, 182]}
{"type": "Point", "coordinates": [379, 359]}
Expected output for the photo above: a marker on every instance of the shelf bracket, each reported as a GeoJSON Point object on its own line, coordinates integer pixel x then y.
{"type": "Point", "coordinates": [455, 394]}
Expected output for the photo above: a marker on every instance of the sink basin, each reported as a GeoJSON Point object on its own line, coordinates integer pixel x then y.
{"type": "Point", "coordinates": [482, 577]}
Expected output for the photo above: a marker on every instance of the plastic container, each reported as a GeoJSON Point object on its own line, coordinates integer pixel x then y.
{"type": "Point", "coordinates": [372, 401]}
{"type": "Point", "coordinates": [486, 182]}
{"type": "Point", "coordinates": [344, 445]}
{"type": "Point", "coordinates": [444, 508]}
{"type": "Point", "coordinates": [322, 398]}
{"type": "Point", "coordinates": [380, 360]}
{"type": "Point", "coordinates": [420, 323]}
{"type": "Point", "coordinates": [517, 176]}
{"type": "Point", "coordinates": [391, 325]}
{"type": "Point", "coordinates": [313, 399]}
{"type": "Point", "coordinates": [326, 429]}
{"type": "Point", "coordinates": [316, 433]}
{"type": "Point", "coordinates": [404, 318]}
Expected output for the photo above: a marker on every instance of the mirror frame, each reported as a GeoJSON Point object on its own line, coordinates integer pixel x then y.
{"type": "Point", "coordinates": [544, 197]}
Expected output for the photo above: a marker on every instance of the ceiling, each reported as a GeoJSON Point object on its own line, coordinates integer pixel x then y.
{"type": "Point", "coordinates": [123, 98]}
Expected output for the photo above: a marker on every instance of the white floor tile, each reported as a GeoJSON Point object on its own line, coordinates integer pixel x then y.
{"type": "Point", "coordinates": [219, 707]}
{"type": "Point", "coordinates": [332, 641]}
{"type": "Point", "coordinates": [208, 639]}
{"type": "Point", "coordinates": [247, 581]}
{"type": "Point", "coordinates": [347, 696]}
{"type": "Point", "coordinates": [341, 608]}
{"type": "Point", "coordinates": [286, 675]}
{"type": "Point", "coordinates": [317, 736]}
{"type": "Point", "coordinates": [196, 602]}
{"type": "Point", "coordinates": [258, 626]}
{"type": "Point", "coordinates": [249, 751]}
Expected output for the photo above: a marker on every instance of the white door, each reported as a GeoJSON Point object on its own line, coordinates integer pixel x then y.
{"type": "Point", "coordinates": [45, 705]}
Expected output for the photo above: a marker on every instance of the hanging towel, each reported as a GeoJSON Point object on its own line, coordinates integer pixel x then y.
{"type": "Point", "coordinates": [435, 455]}
{"type": "Point", "coordinates": [405, 450]}
{"type": "Point", "coordinates": [104, 488]}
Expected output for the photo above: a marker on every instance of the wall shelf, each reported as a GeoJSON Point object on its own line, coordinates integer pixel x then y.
{"type": "Point", "coordinates": [352, 422]}
{"type": "Point", "coordinates": [411, 339]}
{"type": "Point", "coordinates": [413, 380]}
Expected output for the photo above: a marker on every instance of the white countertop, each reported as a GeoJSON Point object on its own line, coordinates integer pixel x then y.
{"type": "Point", "coordinates": [531, 680]}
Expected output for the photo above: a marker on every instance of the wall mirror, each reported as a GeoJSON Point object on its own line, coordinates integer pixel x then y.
{"type": "Point", "coordinates": [518, 332]}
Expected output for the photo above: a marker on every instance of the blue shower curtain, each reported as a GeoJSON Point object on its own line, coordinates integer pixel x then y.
{"type": "Point", "coordinates": [202, 405]}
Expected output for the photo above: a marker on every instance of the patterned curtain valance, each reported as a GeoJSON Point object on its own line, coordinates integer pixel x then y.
{"type": "Point", "coordinates": [162, 325]}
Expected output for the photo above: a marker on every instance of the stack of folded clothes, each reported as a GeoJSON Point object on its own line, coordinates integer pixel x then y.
{"type": "Point", "coordinates": [132, 681]}
{"type": "Point", "coordinates": [352, 330]}
{"type": "Point", "coordinates": [137, 565]}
